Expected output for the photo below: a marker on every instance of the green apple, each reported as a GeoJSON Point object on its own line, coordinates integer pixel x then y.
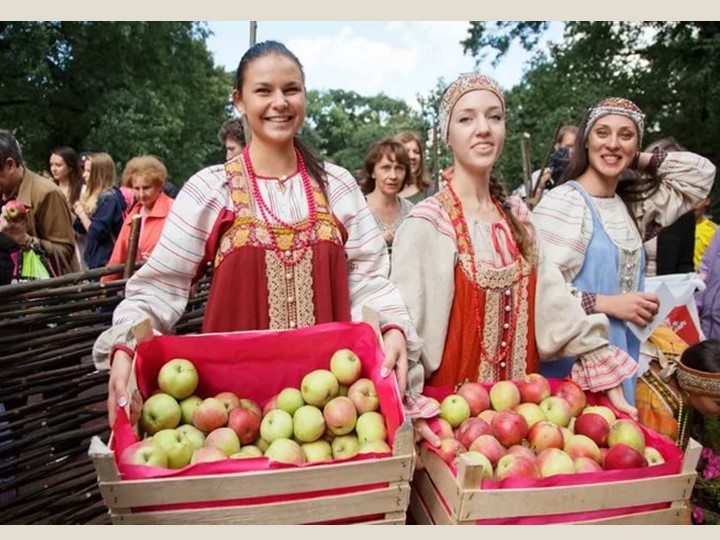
{"type": "Point", "coordinates": [370, 427]}
{"type": "Point", "coordinates": [277, 424]}
{"type": "Point", "coordinates": [504, 395]}
{"type": "Point", "coordinates": [285, 451]}
{"type": "Point", "coordinates": [653, 456]}
{"type": "Point", "coordinates": [194, 435]}
{"type": "Point", "coordinates": [289, 400]}
{"type": "Point", "coordinates": [262, 444]}
{"type": "Point", "coordinates": [160, 411]}
{"type": "Point", "coordinates": [210, 414]}
{"type": "Point", "coordinates": [176, 445]}
{"type": "Point", "coordinates": [144, 453]}
{"type": "Point", "coordinates": [345, 446]}
{"type": "Point", "coordinates": [557, 410]}
{"type": "Point", "coordinates": [248, 451]}
{"type": "Point", "coordinates": [318, 387]}
{"type": "Point", "coordinates": [454, 409]}
{"type": "Point", "coordinates": [317, 451]}
{"type": "Point", "coordinates": [364, 395]}
{"type": "Point", "coordinates": [308, 423]}
{"type": "Point", "coordinates": [224, 439]}
{"type": "Point", "coordinates": [188, 406]}
{"type": "Point", "coordinates": [346, 366]}
{"type": "Point", "coordinates": [476, 459]}
{"type": "Point", "coordinates": [626, 432]}
{"type": "Point", "coordinates": [178, 377]}
{"type": "Point", "coordinates": [374, 447]}
{"type": "Point", "coordinates": [553, 461]}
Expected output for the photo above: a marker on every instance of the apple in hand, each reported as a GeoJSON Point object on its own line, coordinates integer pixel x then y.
{"type": "Point", "coordinates": [509, 427]}
{"type": "Point", "coordinates": [178, 378]}
{"type": "Point", "coordinates": [277, 424]}
{"type": "Point", "coordinates": [370, 426]}
{"type": "Point", "coordinates": [594, 426]}
{"type": "Point", "coordinates": [454, 409]}
{"type": "Point", "coordinates": [159, 412]}
{"type": "Point", "coordinates": [533, 388]}
{"type": "Point", "coordinates": [144, 453]}
{"type": "Point", "coordinates": [544, 435]}
{"type": "Point", "coordinates": [516, 466]}
{"type": "Point", "coordinates": [289, 400]}
{"type": "Point", "coordinates": [364, 396]}
{"type": "Point", "coordinates": [626, 432]}
{"type": "Point", "coordinates": [188, 406]}
{"type": "Point", "coordinates": [209, 415]}
{"type": "Point", "coordinates": [571, 392]}
{"type": "Point", "coordinates": [193, 434]}
{"type": "Point", "coordinates": [340, 415]}
{"type": "Point", "coordinates": [504, 395]}
{"type": "Point", "coordinates": [317, 451]}
{"type": "Point", "coordinates": [224, 439]}
{"type": "Point", "coordinates": [554, 461]}
{"type": "Point", "coordinates": [245, 423]}
{"type": "Point", "coordinates": [346, 366]}
{"type": "Point", "coordinates": [308, 424]}
{"type": "Point", "coordinates": [285, 451]}
{"type": "Point", "coordinates": [653, 456]}
{"type": "Point", "coordinates": [318, 387]}
{"type": "Point", "coordinates": [476, 396]}
{"type": "Point", "coordinates": [556, 410]}
{"type": "Point", "coordinates": [14, 211]}
{"type": "Point", "coordinates": [345, 446]}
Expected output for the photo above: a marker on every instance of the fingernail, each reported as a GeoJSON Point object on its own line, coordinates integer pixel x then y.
{"type": "Point", "coordinates": [122, 401]}
{"type": "Point", "coordinates": [384, 372]}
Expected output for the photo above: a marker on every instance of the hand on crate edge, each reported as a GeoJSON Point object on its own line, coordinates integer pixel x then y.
{"type": "Point", "coordinates": [396, 359]}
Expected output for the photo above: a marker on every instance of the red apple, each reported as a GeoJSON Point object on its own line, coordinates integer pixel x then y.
{"type": "Point", "coordinates": [531, 412]}
{"type": "Point", "coordinates": [271, 405]}
{"type": "Point", "coordinates": [509, 427]}
{"type": "Point", "coordinates": [571, 392]}
{"type": "Point", "coordinates": [488, 446]}
{"type": "Point", "coordinates": [586, 465]}
{"type": "Point", "coordinates": [554, 461]}
{"type": "Point", "coordinates": [246, 423]}
{"type": "Point", "coordinates": [209, 415]}
{"type": "Point", "coordinates": [603, 411]}
{"type": "Point", "coordinates": [533, 388]}
{"type": "Point", "coordinates": [520, 450]}
{"type": "Point", "coordinates": [476, 396]}
{"type": "Point", "coordinates": [626, 432]}
{"type": "Point", "coordinates": [229, 399]}
{"type": "Point", "coordinates": [594, 426]}
{"type": "Point", "coordinates": [487, 415]}
{"type": "Point", "coordinates": [144, 453]}
{"type": "Point", "coordinates": [504, 395]}
{"type": "Point", "coordinates": [340, 415]}
{"type": "Point", "coordinates": [449, 449]}
{"type": "Point", "coordinates": [14, 210]}
{"type": "Point", "coordinates": [582, 446]}
{"type": "Point", "coordinates": [471, 429]}
{"type": "Point", "coordinates": [622, 456]}
{"type": "Point", "coordinates": [364, 395]}
{"type": "Point", "coordinates": [544, 435]}
{"type": "Point", "coordinates": [516, 466]}
{"type": "Point", "coordinates": [247, 403]}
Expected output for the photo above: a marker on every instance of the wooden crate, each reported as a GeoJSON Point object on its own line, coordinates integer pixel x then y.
{"type": "Point", "coordinates": [388, 504]}
{"type": "Point", "coordinates": [439, 497]}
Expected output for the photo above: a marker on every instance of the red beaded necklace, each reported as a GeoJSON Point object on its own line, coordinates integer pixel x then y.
{"type": "Point", "coordinates": [289, 257]}
{"type": "Point", "coordinates": [509, 318]}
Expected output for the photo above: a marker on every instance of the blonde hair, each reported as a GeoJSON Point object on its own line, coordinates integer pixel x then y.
{"type": "Point", "coordinates": [422, 180]}
{"type": "Point", "coordinates": [102, 177]}
{"type": "Point", "coordinates": [149, 166]}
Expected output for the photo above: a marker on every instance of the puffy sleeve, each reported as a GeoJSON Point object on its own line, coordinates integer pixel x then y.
{"type": "Point", "coordinates": [572, 333]}
{"type": "Point", "coordinates": [424, 257]}
{"type": "Point", "coordinates": [564, 225]}
{"type": "Point", "coordinates": [159, 290]}
{"type": "Point", "coordinates": [685, 179]}
{"type": "Point", "coordinates": [367, 257]}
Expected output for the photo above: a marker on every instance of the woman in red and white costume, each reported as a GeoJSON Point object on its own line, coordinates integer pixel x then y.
{"type": "Point", "coordinates": [292, 240]}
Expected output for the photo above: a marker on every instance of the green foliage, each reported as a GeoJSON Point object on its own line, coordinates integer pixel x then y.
{"type": "Point", "coordinates": [121, 87]}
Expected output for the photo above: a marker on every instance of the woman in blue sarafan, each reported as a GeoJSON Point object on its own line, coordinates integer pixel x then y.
{"type": "Point", "coordinates": [612, 199]}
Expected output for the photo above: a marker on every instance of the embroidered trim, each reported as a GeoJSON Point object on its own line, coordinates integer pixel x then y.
{"type": "Point", "coordinates": [304, 292]}
{"type": "Point", "coordinates": [629, 270]}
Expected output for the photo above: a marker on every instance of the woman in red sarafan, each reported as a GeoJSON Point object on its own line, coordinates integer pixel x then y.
{"type": "Point", "coordinates": [292, 240]}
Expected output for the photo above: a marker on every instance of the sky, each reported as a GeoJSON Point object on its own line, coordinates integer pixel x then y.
{"type": "Point", "coordinates": [399, 58]}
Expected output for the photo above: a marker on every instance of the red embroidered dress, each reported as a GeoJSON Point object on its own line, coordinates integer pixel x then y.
{"type": "Point", "coordinates": [498, 303]}
{"type": "Point", "coordinates": [282, 277]}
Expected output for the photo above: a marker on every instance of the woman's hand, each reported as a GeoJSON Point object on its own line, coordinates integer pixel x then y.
{"type": "Point", "coordinates": [395, 357]}
{"type": "Point", "coordinates": [617, 398]}
{"type": "Point", "coordinates": [117, 388]}
{"type": "Point", "coordinates": [635, 307]}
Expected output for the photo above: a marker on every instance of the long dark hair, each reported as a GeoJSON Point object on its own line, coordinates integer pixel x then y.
{"type": "Point", "coordinates": [634, 186]}
{"type": "Point", "coordinates": [265, 48]}
{"type": "Point", "coordinates": [70, 157]}
{"type": "Point", "coordinates": [703, 356]}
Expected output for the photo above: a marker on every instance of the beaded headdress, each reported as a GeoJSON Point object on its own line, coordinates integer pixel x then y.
{"type": "Point", "coordinates": [693, 381]}
{"type": "Point", "coordinates": [615, 105]}
{"type": "Point", "coordinates": [465, 83]}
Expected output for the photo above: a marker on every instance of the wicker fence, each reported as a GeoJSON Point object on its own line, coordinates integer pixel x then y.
{"type": "Point", "coordinates": [52, 400]}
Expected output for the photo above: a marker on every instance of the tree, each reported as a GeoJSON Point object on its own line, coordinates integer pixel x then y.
{"type": "Point", "coordinates": [125, 88]}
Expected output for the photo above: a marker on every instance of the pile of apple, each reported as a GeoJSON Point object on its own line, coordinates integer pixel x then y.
{"type": "Point", "coordinates": [518, 429]}
{"type": "Point", "coordinates": [333, 415]}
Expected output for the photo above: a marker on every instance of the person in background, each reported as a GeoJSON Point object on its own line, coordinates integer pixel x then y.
{"type": "Point", "coordinates": [487, 305]}
{"type": "Point", "coordinates": [147, 175]}
{"type": "Point", "coordinates": [704, 231]}
{"type": "Point", "coordinates": [232, 137]}
{"type": "Point", "coordinates": [594, 224]}
{"type": "Point", "coordinates": [385, 172]}
{"type": "Point", "coordinates": [100, 210]}
{"type": "Point", "coordinates": [671, 251]}
{"type": "Point", "coordinates": [48, 223]}
{"type": "Point", "coordinates": [67, 172]}
{"type": "Point", "coordinates": [557, 164]}
{"type": "Point", "coordinates": [418, 185]}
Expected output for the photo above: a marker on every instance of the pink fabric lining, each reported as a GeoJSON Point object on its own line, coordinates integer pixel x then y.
{"type": "Point", "coordinates": [257, 365]}
{"type": "Point", "coordinates": [671, 453]}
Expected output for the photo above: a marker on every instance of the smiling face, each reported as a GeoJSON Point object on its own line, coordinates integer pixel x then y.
{"type": "Point", "coordinates": [389, 175]}
{"type": "Point", "coordinates": [273, 98]}
{"type": "Point", "coordinates": [476, 130]}
{"type": "Point", "coordinates": [611, 145]}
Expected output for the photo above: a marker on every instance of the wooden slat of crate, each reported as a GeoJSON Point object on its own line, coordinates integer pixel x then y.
{"type": "Point", "coordinates": [392, 499]}
{"type": "Point", "coordinates": [472, 504]}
